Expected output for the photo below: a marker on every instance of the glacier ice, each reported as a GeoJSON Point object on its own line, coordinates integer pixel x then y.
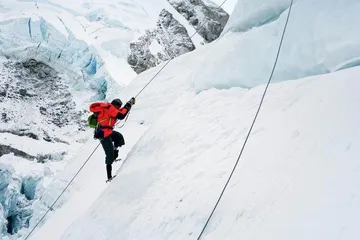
{"type": "Point", "coordinates": [325, 40]}
{"type": "Point", "coordinates": [28, 187]}
{"type": "Point", "coordinates": [96, 15]}
{"type": "Point", "coordinates": [5, 176]}
{"type": "Point", "coordinates": [39, 39]}
{"type": "Point", "coordinates": [253, 13]}
{"type": "Point", "coordinates": [2, 220]}
{"type": "Point", "coordinates": [91, 67]}
{"type": "Point", "coordinates": [18, 191]}
{"type": "Point", "coordinates": [15, 208]}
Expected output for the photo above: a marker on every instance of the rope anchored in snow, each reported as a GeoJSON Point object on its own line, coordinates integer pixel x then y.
{"type": "Point", "coordinates": [252, 125]}
{"type": "Point", "coordinates": [67, 186]}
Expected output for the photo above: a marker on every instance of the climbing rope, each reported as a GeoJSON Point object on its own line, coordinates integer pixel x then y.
{"type": "Point", "coordinates": [252, 125]}
{"type": "Point", "coordinates": [157, 73]}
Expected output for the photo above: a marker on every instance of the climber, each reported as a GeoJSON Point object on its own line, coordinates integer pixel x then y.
{"type": "Point", "coordinates": [107, 115]}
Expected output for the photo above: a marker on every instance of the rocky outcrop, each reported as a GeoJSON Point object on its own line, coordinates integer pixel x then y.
{"type": "Point", "coordinates": [173, 36]}
{"type": "Point", "coordinates": [35, 103]}
{"type": "Point", "coordinates": [140, 57]}
{"type": "Point", "coordinates": [169, 40]}
{"type": "Point", "coordinates": [34, 96]}
{"type": "Point", "coordinates": [208, 19]}
{"type": "Point", "coordinates": [5, 149]}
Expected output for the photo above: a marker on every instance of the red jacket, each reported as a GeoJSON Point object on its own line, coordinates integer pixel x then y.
{"type": "Point", "coordinates": [108, 115]}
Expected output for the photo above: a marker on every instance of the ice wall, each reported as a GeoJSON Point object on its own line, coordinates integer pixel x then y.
{"type": "Point", "coordinates": [53, 43]}
{"type": "Point", "coordinates": [321, 37]}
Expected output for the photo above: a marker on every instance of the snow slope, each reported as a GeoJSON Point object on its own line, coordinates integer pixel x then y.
{"type": "Point", "coordinates": [88, 185]}
{"type": "Point", "coordinates": [298, 178]}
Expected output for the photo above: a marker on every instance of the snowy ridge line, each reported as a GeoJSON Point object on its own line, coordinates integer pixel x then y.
{"type": "Point", "coordinates": [252, 124]}
{"type": "Point", "coordinates": [51, 207]}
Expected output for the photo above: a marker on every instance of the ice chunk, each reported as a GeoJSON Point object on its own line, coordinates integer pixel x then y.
{"type": "Point", "coordinates": [325, 40]}
{"type": "Point", "coordinates": [3, 221]}
{"type": "Point", "coordinates": [5, 176]}
{"type": "Point", "coordinates": [252, 13]}
{"type": "Point", "coordinates": [29, 185]}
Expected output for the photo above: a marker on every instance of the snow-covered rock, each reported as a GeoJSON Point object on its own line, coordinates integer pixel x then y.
{"type": "Point", "coordinates": [43, 97]}
{"type": "Point", "coordinates": [207, 18]}
{"type": "Point", "coordinates": [171, 37]}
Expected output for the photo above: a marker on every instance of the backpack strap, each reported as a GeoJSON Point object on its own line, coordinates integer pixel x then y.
{"type": "Point", "coordinates": [104, 121]}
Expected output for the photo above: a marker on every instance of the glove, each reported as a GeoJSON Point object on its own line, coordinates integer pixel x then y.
{"type": "Point", "coordinates": [132, 101]}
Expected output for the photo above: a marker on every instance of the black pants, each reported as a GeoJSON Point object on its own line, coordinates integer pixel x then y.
{"type": "Point", "coordinates": [115, 140]}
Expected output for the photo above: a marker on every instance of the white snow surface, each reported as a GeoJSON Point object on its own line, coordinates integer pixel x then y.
{"type": "Point", "coordinates": [298, 177]}
{"type": "Point", "coordinates": [88, 186]}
